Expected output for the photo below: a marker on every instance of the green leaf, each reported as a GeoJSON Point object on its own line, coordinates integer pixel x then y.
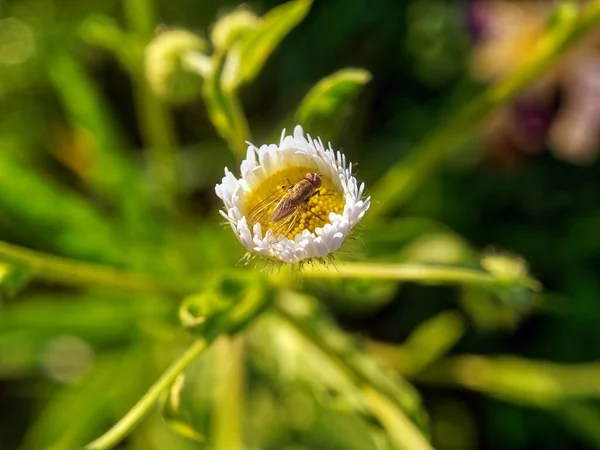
{"type": "Point", "coordinates": [321, 108]}
{"type": "Point", "coordinates": [46, 316]}
{"type": "Point", "coordinates": [258, 44]}
{"type": "Point", "coordinates": [308, 317]}
{"type": "Point", "coordinates": [583, 418]}
{"type": "Point", "coordinates": [225, 307]}
{"type": "Point", "coordinates": [224, 109]}
{"type": "Point", "coordinates": [106, 168]}
{"type": "Point", "coordinates": [104, 32]}
{"type": "Point", "coordinates": [353, 297]}
{"type": "Point", "coordinates": [12, 279]}
{"type": "Point", "coordinates": [427, 343]}
{"type": "Point", "coordinates": [53, 217]}
{"type": "Point", "coordinates": [67, 420]}
{"type": "Point", "coordinates": [172, 414]}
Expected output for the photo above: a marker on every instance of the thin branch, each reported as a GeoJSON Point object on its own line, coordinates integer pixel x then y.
{"type": "Point", "coordinates": [400, 429]}
{"type": "Point", "coordinates": [124, 426]}
{"type": "Point", "coordinates": [414, 272]}
{"type": "Point", "coordinates": [67, 271]}
{"type": "Point", "coordinates": [229, 395]}
{"type": "Point", "coordinates": [518, 380]}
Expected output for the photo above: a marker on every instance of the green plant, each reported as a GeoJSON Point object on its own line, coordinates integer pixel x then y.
{"type": "Point", "coordinates": [245, 322]}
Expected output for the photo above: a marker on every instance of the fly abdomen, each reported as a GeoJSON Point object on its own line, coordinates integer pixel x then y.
{"type": "Point", "coordinates": [297, 195]}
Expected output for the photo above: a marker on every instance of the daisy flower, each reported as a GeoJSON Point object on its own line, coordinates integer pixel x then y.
{"type": "Point", "coordinates": [326, 198]}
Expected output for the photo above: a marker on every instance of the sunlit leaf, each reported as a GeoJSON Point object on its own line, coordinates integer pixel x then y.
{"type": "Point", "coordinates": [172, 414]}
{"type": "Point", "coordinates": [426, 344]}
{"type": "Point", "coordinates": [308, 317]}
{"type": "Point", "coordinates": [353, 298]}
{"type": "Point", "coordinates": [12, 279]}
{"type": "Point", "coordinates": [491, 309]}
{"type": "Point", "coordinates": [67, 421]}
{"type": "Point", "coordinates": [63, 221]}
{"type": "Point", "coordinates": [226, 306]}
{"type": "Point", "coordinates": [225, 112]}
{"type": "Point", "coordinates": [104, 32]}
{"type": "Point", "coordinates": [322, 108]}
{"type": "Point", "coordinates": [233, 26]}
{"type": "Point", "coordinates": [384, 239]}
{"type": "Point", "coordinates": [258, 44]}
{"type": "Point", "coordinates": [46, 315]}
{"type": "Point", "coordinates": [97, 153]}
{"type": "Point", "coordinates": [582, 418]}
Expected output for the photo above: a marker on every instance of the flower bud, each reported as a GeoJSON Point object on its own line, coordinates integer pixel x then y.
{"type": "Point", "coordinates": [504, 267]}
{"type": "Point", "coordinates": [166, 71]}
{"type": "Point", "coordinates": [232, 27]}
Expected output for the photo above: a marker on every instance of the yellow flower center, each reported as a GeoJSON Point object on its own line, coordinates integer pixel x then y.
{"type": "Point", "coordinates": [263, 200]}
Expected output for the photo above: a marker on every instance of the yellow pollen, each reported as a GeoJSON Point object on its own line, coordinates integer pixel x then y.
{"type": "Point", "coordinates": [315, 214]}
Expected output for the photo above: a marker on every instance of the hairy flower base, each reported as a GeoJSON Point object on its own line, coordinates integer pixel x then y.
{"type": "Point", "coordinates": [273, 266]}
{"type": "Point", "coordinates": [327, 200]}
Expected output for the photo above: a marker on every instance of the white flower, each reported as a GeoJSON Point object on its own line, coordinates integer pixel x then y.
{"type": "Point", "coordinates": [330, 214]}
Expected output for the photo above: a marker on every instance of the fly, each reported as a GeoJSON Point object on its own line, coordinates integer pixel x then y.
{"type": "Point", "coordinates": [291, 201]}
{"type": "Point", "coordinates": [298, 195]}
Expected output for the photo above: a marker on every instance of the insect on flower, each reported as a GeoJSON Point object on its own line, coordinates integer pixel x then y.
{"type": "Point", "coordinates": [287, 206]}
{"type": "Point", "coordinates": [293, 202]}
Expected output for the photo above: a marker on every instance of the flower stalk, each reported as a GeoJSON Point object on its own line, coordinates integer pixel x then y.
{"type": "Point", "coordinates": [229, 393]}
{"type": "Point", "coordinates": [76, 273]}
{"type": "Point", "coordinates": [428, 274]}
{"type": "Point", "coordinates": [224, 107]}
{"type": "Point", "coordinates": [135, 415]}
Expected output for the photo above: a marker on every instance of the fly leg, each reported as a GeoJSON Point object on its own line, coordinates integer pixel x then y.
{"type": "Point", "coordinates": [317, 192]}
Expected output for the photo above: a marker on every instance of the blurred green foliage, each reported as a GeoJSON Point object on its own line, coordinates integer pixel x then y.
{"type": "Point", "coordinates": [113, 133]}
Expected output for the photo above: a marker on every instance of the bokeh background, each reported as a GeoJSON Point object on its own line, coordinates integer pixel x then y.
{"type": "Point", "coordinates": [525, 184]}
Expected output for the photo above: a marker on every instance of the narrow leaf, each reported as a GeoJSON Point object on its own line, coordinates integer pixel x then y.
{"type": "Point", "coordinates": [225, 111]}
{"type": "Point", "coordinates": [225, 307]}
{"type": "Point", "coordinates": [172, 415]}
{"type": "Point", "coordinates": [105, 164]}
{"type": "Point", "coordinates": [63, 221]}
{"type": "Point", "coordinates": [12, 279]}
{"type": "Point", "coordinates": [258, 45]}
{"type": "Point", "coordinates": [321, 108]}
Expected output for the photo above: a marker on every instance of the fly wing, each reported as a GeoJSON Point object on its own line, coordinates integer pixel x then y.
{"type": "Point", "coordinates": [259, 213]}
{"type": "Point", "coordinates": [288, 223]}
{"type": "Point", "coordinates": [284, 227]}
{"type": "Point", "coordinates": [285, 207]}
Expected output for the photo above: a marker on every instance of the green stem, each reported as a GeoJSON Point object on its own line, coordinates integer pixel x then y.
{"type": "Point", "coordinates": [229, 394]}
{"type": "Point", "coordinates": [225, 109]}
{"type": "Point", "coordinates": [583, 418]}
{"type": "Point", "coordinates": [140, 15]}
{"type": "Point", "coordinates": [426, 344]}
{"type": "Point", "coordinates": [407, 176]}
{"type": "Point", "coordinates": [242, 133]}
{"type": "Point", "coordinates": [124, 426]}
{"type": "Point", "coordinates": [400, 429]}
{"type": "Point", "coordinates": [63, 270]}
{"type": "Point", "coordinates": [413, 272]}
{"type": "Point", "coordinates": [156, 126]}
{"type": "Point", "coordinates": [517, 380]}
{"type": "Point", "coordinates": [241, 314]}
